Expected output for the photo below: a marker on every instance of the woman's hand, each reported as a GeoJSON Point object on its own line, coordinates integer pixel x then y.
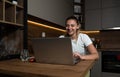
{"type": "Point", "coordinates": [76, 55]}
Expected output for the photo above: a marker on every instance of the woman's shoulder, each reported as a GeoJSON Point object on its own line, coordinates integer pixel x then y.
{"type": "Point", "coordinates": [82, 34]}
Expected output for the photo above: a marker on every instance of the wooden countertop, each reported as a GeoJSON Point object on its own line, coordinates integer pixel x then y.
{"type": "Point", "coordinates": [27, 69]}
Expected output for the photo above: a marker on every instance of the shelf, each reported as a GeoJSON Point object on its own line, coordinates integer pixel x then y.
{"type": "Point", "coordinates": [9, 12]}
{"type": "Point", "coordinates": [80, 4]}
{"type": "Point", "coordinates": [10, 23]}
{"type": "Point", "coordinates": [19, 2]}
{"type": "Point", "coordinates": [19, 6]}
{"type": "Point", "coordinates": [19, 15]}
{"type": "Point", "coordinates": [79, 17]}
{"type": "Point", "coordinates": [77, 1]}
{"type": "Point", "coordinates": [1, 10]}
{"type": "Point", "coordinates": [79, 11]}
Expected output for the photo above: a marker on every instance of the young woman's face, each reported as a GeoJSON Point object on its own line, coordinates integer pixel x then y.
{"type": "Point", "coordinates": [72, 27]}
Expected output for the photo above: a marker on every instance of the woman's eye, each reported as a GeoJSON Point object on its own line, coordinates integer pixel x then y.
{"type": "Point", "coordinates": [72, 25]}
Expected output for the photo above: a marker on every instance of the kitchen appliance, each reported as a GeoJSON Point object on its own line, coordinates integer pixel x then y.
{"type": "Point", "coordinates": [110, 63]}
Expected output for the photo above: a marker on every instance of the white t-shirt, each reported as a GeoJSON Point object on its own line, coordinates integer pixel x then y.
{"type": "Point", "coordinates": [82, 42]}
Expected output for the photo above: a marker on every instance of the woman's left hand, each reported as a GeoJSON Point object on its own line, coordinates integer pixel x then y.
{"type": "Point", "coordinates": [76, 55]}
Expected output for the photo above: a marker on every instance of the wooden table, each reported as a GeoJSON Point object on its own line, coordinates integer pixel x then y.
{"type": "Point", "coordinates": [26, 69]}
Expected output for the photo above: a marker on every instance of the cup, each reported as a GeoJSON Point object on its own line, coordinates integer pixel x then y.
{"type": "Point", "coordinates": [43, 34]}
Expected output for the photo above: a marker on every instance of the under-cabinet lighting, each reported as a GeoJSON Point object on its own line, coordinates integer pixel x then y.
{"type": "Point", "coordinates": [43, 25]}
{"type": "Point", "coordinates": [50, 27]}
{"type": "Point", "coordinates": [97, 31]}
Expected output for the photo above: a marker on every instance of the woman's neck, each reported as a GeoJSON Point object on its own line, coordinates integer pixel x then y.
{"type": "Point", "coordinates": [75, 36]}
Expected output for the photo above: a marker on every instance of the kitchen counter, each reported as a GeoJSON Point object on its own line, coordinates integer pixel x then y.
{"type": "Point", "coordinates": [109, 49]}
{"type": "Point", "coordinates": [16, 67]}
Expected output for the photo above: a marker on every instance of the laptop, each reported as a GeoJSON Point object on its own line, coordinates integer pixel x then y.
{"type": "Point", "coordinates": [53, 51]}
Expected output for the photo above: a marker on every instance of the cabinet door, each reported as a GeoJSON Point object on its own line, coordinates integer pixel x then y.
{"type": "Point", "coordinates": [111, 17]}
{"type": "Point", "coordinates": [93, 19]}
{"type": "Point", "coordinates": [92, 4]}
{"type": "Point", "coordinates": [110, 3]}
{"type": "Point", "coordinates": [96, 70]}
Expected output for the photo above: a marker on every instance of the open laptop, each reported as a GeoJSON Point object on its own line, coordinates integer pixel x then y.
{"type": "Point", "coordinates": [53, 51]}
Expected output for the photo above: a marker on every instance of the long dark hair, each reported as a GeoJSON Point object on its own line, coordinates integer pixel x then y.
{"type": "Point", "coordinates": [73, 18]}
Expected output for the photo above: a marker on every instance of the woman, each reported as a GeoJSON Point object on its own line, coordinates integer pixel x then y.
{"type": "Point", "coordinates": [80, 42]}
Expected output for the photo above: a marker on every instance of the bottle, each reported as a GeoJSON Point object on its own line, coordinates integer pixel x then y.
{"type": "Point", "coordinates": [43, 34]}
{"type": "Point", "coordinates": [98, 42]}
{"type": "Point", "coordinates": [93, 40]}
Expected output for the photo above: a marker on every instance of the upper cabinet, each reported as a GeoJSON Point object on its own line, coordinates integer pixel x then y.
{"type": "Point", "coordinates": [12, 12]}
{"type": "Point", "coordinates": [93, 19]}
{"type": "Point", "coordinates": [110, 17]}
{"type": "Point", "coordinates": [110, 13]}
{"type": "Point", "coordinates": [110, 3]}
{"type": "Point", "coordinates": [92, 4]}
{"type": "Point", "coordinates": [55, 11]}
{"type": "Point", "coordinates": [79, 11]}
{"type": "Point", "coordinates": [92, 14]}
{"type": "Point", "coordinates": [102, 14]}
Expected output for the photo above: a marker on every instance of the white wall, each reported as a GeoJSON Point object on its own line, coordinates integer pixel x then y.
{"type": "Point", "coordinates": [55, 11]}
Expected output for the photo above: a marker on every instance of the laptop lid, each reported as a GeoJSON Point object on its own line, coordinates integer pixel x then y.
{"type": "Point", "coordinates": [53, 50]}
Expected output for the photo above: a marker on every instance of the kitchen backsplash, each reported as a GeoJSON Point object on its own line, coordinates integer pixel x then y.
{"type": "Point", "coordinates": [109, 39]}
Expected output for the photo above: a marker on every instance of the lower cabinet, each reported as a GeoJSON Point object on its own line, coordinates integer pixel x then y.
{"type": "Point", "coordinates": [96, 71]}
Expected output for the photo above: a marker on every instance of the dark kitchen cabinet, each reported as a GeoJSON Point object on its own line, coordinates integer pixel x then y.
{"type": "Point", "coordinates": [110, 17]}
{"type": "Point", "coordinates": [110, 3]}
{"type": "Point", "coordinates": [93, 19]}
{"type": "Point", "coordinates": [96, 69]}
{"type": "Point", "coordinates": [102, 14]}
{"type": "Point", "coordinates": [93, 15]}
{"type": "Point", "coordinates": [110, 13]}
{"type": "Point", "coordinates": [92, 4]}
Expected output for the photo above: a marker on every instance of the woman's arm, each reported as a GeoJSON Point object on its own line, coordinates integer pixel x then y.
{"type": "Point", "coordinates": [92, 56]}
{"type": "Point", "coordinates": [93, 53]}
